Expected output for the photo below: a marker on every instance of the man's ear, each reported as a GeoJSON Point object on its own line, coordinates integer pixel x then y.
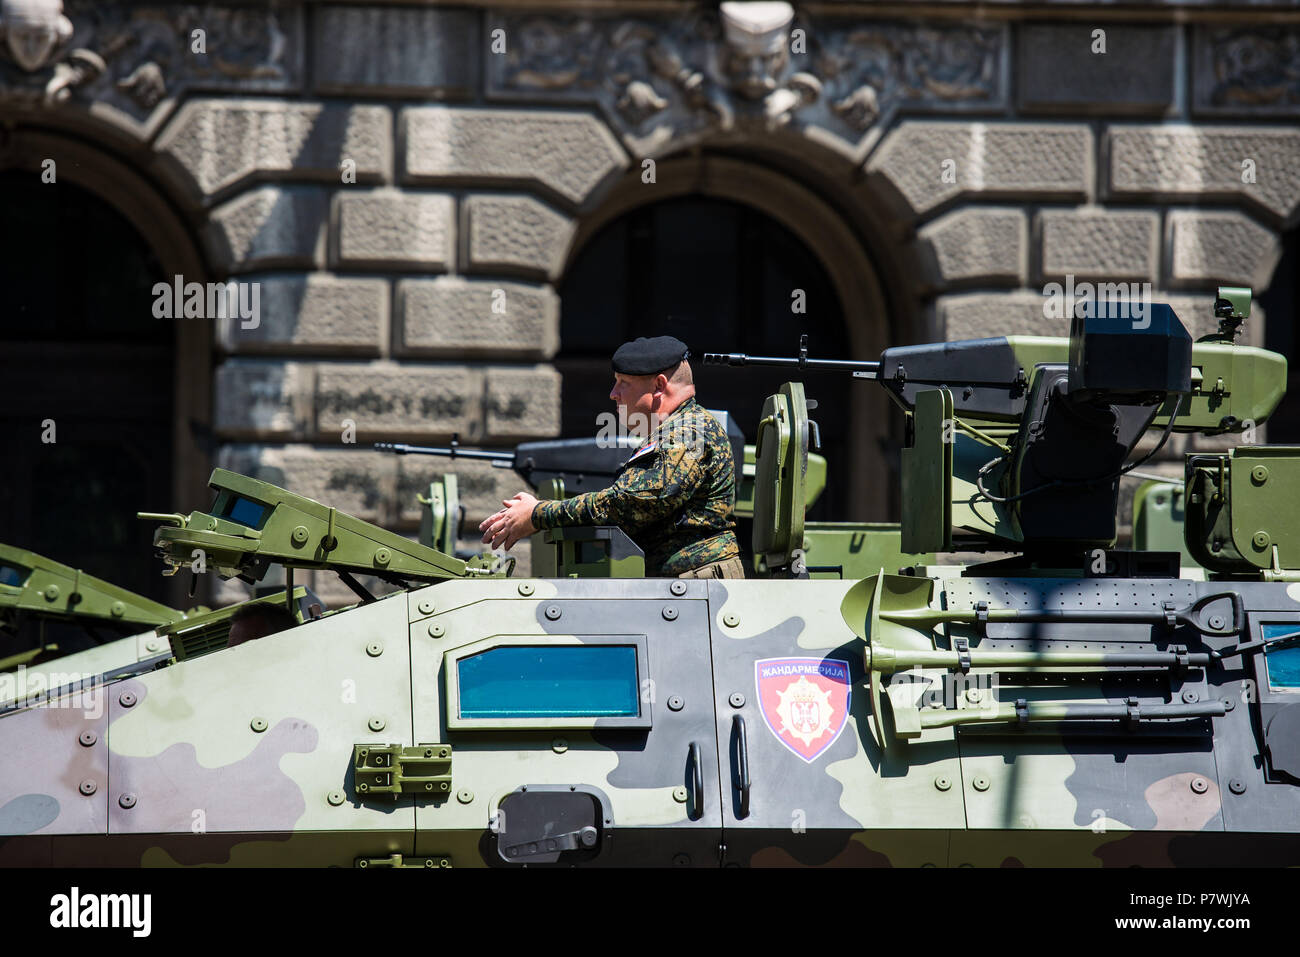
{"type": "Point", "coordinates": [661, 384]}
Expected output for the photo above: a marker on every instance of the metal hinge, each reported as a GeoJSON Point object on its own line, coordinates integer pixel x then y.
{"type": "Point", "coordinates": [397, 860]}
{"type": "Point", "coordinates": [394, 769]}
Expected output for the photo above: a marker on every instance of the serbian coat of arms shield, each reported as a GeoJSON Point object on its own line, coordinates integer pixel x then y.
{"type": "Point", "coordinates": [805, 701]}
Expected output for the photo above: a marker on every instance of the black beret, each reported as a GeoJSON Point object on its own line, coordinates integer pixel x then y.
{"type": "Point", "coordinates": [649, 356]}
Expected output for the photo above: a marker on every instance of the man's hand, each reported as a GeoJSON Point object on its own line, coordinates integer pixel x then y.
{"type": "Point", "coordinates": [513, 522]}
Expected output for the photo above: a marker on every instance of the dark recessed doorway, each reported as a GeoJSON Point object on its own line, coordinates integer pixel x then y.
{"type": "Point", "coordinates": [80, 347]}
{"type": "Point", "coordinates": [721, 276]}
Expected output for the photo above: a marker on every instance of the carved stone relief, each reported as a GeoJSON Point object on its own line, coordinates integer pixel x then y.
{"type": "Point", "coordinates": [1248, 70]}
{"type": "Point", "coordinates": [135, 56]}
{"type": "Point", "coordinates": [747, 66]}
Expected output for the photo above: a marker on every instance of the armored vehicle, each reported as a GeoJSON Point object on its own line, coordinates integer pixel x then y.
{"type": "Point", "coordinates": [1072, 705]}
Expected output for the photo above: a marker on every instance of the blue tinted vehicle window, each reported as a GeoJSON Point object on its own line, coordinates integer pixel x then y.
{"type": "Point", "coordinates": [533, 681]}
{"type": "Point", "coordinates": [1284, 661]}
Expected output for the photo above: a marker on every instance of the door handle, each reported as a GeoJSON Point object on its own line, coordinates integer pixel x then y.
{"type": "Point", "coordinates": [743, 781]}
{"type": "Point", "coordinates": [696, 808]}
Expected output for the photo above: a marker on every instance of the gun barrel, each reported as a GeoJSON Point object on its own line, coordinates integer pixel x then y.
{"type": "Point", "coordinates": [862, 370]}
{"type": "Point", "coordinates": [505, 458]}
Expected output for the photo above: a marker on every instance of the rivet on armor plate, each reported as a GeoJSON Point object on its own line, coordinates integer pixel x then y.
{"type": "Point", "coordinates": [1260, 474]}
{"type": "Point", "coordinates": [51, 592]}
{"type": "Point", "coordinates": [1200, 785]}
{"type": "Point", "coordinates": [117, 609]}
{"type": "Point", "coordinates": [436, 630]}
{"type": "Point", "coordinates": [525, 588]}
{"type": "Point", "coordinates": [375, 724]}
{"type": "Point", "coordinates": [1189, 696]}
{"type": "Point", "coordinates": [678, 588]}
{"type": "Point", "coordinates": [465, 796]}
{"type": "Point", "coordinates": [1237, 786]}
{"type": "Point", "coordinates": [153, 646]}
{"type": "Point", "coordinates": [1260, 539]}
{"type": "Point", "coordinates": [87, 787]}
{"type": "Point", "coordinates": [737, 700]}
{"type": "Point", "coordinates": [681, 860]}
{"type": "Point", "coordinates": [552, 612]}
{"type": "Point", "coordinates": [299, 535]}
{"type": "Point", "coordinates": [425, 606]}
{"type": "Point", "coordinates": [981, 783]}
{"type": "Point", "coordinates": [679, 794]}
{"type": "Point", "coordinates": [382, 557]}
{"type": "Point", "coordinates": [126, 801]}
{"type": "Point", "coordinates": [559, 745]}
{"type": "Point", "coordinates": [973, 695]}
{"type": "Point", "coordinates": [675, 703]}
{"type": "Point", "coordinates": [943, 782]}
{"type": "Point", "coordinates": [335, 798]}
{"type": "Point", "coordinates": [258, 724]}
{"type": "Point", "coordinates": [87, 738]}
{"type": "Point", "coordinates": [669, 613]}
{"type": "Point", "coordinates": [731, 619]}
{"type": "Point", "coordinates": [126, 699]}
{"type": "Point", "coordinates": [375, 648]}
{"type": "Point", "coordinates": [1229, 704]}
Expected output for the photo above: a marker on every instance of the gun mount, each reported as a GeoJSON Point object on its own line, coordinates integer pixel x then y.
{"type": "Point", "coordinates": [1019, 443]}
{"type": "Point", "coordinates": [577, 465]}
{"type": "Point", "coordinates": [37, 589]}
{"type": "Point", "coordinates": [583, 465]}
{"type": "Point", "coordinates": [252, 525]}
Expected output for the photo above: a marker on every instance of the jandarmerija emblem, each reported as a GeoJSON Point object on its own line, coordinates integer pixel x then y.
{"type": "Point", "coordinates": [805, 701]}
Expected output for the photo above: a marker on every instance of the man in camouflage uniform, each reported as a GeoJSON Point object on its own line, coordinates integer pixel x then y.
{"type": "Point", "coordinates": [674, 496]}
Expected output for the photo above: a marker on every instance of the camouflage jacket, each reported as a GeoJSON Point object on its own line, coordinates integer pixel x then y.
{"type": "Point", "coordinates": [674, 497]}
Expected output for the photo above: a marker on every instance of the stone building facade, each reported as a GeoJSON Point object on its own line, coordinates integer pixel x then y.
{"type": "Point", "coordinates": [408, 184]}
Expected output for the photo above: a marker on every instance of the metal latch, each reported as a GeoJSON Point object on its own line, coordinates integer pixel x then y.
{"type": "Point", "coordinates": [397, 860]}
{"type": "Point", "coordinates": [962, 647]}
{"type": "Point", "coordinates": [581, 839]}
{"type": "Point", "coordinates": [394, 769]}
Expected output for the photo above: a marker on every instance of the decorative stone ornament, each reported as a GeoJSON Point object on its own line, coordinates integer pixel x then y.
{"type": "Point", "coordinates": [34, 30]}
{"type": "Point", "coordinates": [757, 45]}
{"type": "Point", "coordinates": [757, 56]}
{"type": "Point", "coordinates": [733, 70]}
{"type": "Point", "coordinates": [756, 28]}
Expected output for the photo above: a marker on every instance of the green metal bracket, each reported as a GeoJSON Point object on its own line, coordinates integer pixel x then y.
{"type": "Point", "coordinates": [394, 770]}
{"type": "Point", "coordinates": [37, 585]}
{"type": "Point", "coordinates": [440, 513]}
{"type": "Point", "coordinates": [254, 524]}
{"type": "Point", "coordinates": [397, 860]}
{"type": "Point", "coordinates": [1240, 514]}
{"type": "Point", "coordinates": [927, 475]}
{"type": "Point", "coordinates": [781, 467]}
{"type": "Point", "coordinates": [814, 482]}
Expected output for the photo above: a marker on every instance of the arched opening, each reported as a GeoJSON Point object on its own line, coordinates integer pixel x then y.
{"type": "Point", "coordinates": [716, 252]}
{"type": "Point", "coordinates": [720, 276]}
{"type": "Point", "coordinates": [100, 402]}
